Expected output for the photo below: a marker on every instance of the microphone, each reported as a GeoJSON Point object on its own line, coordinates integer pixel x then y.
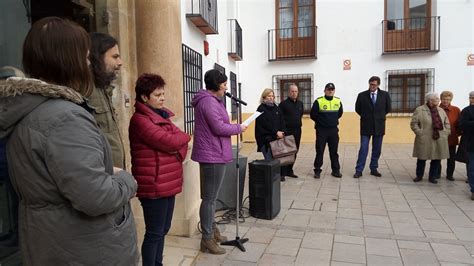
{"type": "Point", "coordinates": [235, 98]}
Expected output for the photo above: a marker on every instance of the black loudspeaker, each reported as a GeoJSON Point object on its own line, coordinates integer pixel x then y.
{"type": "Point", "coordinates": [226, 197]}
{"type": "Point", "coordinates": [264, 189]}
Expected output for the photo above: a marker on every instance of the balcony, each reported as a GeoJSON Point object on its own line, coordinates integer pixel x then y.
{"type": "Point", "coordinates": [203, 14]}
{"type": "Point", "coordinates": [292, 43]}
{"type": "Point", "coordinates": [235, 40]}
{"type": "Point", "coordinates": [413, 35]}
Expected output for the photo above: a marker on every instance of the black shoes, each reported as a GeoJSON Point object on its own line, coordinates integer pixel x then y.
{"type": "Point", "coordinates": [433, 180]}
{"type": "Point", "coordinates": [336, 174]}
{"type": "Point", "coordinates": [450, 178]}
{"type": "Point", "coordinates": [292, 175]}
{"type": "Point", "coordinates": [282, 179]}
{"type": "Point", "coordinates": [317, 174]}
{"type": "Point", "coordinates": [357, 174]}
{"type": "Point", "coordinates": [375, 173]}
{"type": "Point", "coordinates": [418, 179]}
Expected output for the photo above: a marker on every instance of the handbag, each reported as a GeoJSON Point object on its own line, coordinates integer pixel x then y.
{"type": "Point", "coordinates": [284, 150]}
{"type": "Point", "coordinates": [461, 154]}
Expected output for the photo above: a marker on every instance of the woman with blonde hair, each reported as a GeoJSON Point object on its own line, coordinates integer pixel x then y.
{"type": "Point", "coordinates": [270, 125]}
{"type": "Point", "coordinates": [431, 127]}
{"type": "Point", "coordinates": [453, 113]}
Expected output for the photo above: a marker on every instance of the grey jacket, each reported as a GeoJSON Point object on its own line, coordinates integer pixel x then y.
{"type": "Point", "coordinates": [73, 209]}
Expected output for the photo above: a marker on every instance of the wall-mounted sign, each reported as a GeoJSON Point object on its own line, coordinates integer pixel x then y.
{"type": "Point", "coordinates": [470, 60]}
{"type": "Point", "coordinates": [347, 64]}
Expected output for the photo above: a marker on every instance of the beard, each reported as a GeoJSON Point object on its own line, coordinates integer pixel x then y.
{"type": "Point", "coordinates": [111, 76]}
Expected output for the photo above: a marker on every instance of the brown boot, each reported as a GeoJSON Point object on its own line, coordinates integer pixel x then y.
{"type": "Point", "coordinates": [211, 246]}
{"type": "Point", "coordinates": [217, 234]}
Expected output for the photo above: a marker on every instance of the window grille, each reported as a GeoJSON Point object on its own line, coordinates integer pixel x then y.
{"type": "Point", "coordinates": [407, 89]}
{"type": "Point", "coordinates": [233, 91]}
{"type": "Point", "coordinates": [222, 70]}
{"type": "Point", "coordinates": [192, 83]}
{"type": "Point", "coordinates": [305, 88]}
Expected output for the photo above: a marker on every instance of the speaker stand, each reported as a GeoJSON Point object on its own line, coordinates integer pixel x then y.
{"type": "Point", "coordinates": [237, 242]}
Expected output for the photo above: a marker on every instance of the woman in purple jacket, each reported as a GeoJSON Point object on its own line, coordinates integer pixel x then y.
{"type": "Point", "coordinates": [212, 148]}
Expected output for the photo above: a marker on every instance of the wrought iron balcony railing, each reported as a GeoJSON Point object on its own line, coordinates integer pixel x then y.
{"type": "Point", "coordinates": [203, 13]}
{"type": "Point", "coordinates": [235, 40]}
{"type": "Point", "coordinates": [411, 35]}
{"type": "Point", "coordinates": [292, 43]}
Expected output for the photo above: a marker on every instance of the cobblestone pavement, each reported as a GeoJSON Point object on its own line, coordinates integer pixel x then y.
{"type": "Point", "coordinates": [386, 220]}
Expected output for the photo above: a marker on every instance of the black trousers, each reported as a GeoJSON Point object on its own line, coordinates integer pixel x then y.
{"type": "Point", "coordinates": [331, 137]}
{"type": "Point", "coordinates": [296, 132]}
{"type": "Point", "coordinates": [451, 162]}
{"type": "Point", "coordinates": [434, 168]}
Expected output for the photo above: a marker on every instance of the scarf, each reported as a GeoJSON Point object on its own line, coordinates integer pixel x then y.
{"type": "Point", "coordinates": [271, 104]}
{"type": "Point", "coordinates": [436, 121]}
{"type": "Point", "coordinates": [445, 108]}
{"type": "Point", "coordinates": [160, 112]}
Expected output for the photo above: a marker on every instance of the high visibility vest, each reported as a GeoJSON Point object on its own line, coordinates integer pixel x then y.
{"type": "Point", "coordinates": [329, 106]}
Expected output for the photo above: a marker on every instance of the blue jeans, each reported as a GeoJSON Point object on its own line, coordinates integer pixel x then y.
{"type": "Point", "coordinates": [470, 170]}
{"type": "Point", "coordinates": [158, 214]}
{"type": "Point", "coordinates": [212, 175]}
{"type": "Point", "coordinates": [364, 151]}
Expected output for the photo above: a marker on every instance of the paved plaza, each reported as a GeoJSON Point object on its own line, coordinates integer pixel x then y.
{"type": "Point", "coordinates": [388, 220]}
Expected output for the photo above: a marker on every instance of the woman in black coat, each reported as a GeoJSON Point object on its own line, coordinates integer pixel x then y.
{"type": "Point", "coordinates": [270, 125]}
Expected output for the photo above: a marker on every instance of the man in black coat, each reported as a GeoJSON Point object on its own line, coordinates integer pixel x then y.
{"type": "Point", "coordinates": [372, 106]}
{"type": "Point", "coordinates": [292, 111]}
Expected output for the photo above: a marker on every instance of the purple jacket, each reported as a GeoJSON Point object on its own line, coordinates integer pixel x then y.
{"type": "Point", "coordinates": [212, 130]}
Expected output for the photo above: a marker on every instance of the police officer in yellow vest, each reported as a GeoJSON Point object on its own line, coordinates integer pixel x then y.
{"type": "Point", "coordinates": [325, 113]}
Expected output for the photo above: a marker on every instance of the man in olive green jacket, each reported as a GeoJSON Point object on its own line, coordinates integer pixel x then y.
{"type": "Point", "coordinates": [106, 64]}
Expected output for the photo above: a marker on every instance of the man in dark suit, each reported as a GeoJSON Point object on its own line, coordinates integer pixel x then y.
{"type": "Point", "coordinates": [292, 111]}
{"type": "Point", "coordinates": [372, 106]}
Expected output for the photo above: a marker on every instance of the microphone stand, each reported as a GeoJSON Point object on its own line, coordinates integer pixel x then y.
{"type": "Point", "coordinates": [237, 242]}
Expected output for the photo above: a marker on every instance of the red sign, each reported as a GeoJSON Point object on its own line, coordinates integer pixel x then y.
{"type": "Point", "coordinates": [470, 60]}
{"type": "Point", "coordinates": [347, 64]}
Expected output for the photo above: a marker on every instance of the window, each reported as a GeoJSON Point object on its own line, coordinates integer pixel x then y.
{"type": "Point", "coordinates": [192, 83]}
{"type": "Point", "coordinates": [304, 82]}
{"type": "Point", "coordinates": [414, 11]}
{"type": "Point", "coordinates": [407, 89]}
{"type": "Point", "coordinates": [222, 70]}
{"type": "Point", "coordinates": [203, 14]}
{"type": "Point", "coordinates": [233, 91]}
{"type": "Point", "coordinates": [296, 31]}
{"type": "Point", "coordinates": [408, 26]}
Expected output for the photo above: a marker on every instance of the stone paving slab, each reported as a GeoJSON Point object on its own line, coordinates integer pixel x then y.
{"type": "Point", "coordinates": [345, 221]}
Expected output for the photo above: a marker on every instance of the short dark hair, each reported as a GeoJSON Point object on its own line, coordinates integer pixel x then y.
{"type": "Point", "coordinates": [146, 84]}
{"type": "Point", "coordinates": [55, 51]}
{"type": "Point", "coordinates": [375, 78]}
{"type": "Point", "coordinates": [100, 44]}
{"type": "Point", "coordinates": [213, 78]}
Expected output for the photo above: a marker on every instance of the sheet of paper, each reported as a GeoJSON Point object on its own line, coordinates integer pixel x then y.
{"type": "Point", "coordinates": [249, 120]}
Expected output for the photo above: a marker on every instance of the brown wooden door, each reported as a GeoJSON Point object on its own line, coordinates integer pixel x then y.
{"type": "Point", "coordinates": [295, 34]}
{"type": "Point", "coordinates": [408, 25]}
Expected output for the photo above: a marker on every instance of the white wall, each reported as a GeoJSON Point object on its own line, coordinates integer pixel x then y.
{"type": "Point", "coordinates": [350, 29]}
{"type": "Point", "coordinates": [218, 46]}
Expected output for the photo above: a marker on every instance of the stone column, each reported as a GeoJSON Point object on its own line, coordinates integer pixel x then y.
{"type": "Point", "coordinates": [158, 41]}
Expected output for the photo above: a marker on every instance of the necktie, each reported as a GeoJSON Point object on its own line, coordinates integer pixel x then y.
{"type": "Point", "coordinates": [372, 96]}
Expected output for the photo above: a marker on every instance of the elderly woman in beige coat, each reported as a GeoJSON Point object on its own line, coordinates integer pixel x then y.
{"type": "Point", "coordinates": [431, 126]}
